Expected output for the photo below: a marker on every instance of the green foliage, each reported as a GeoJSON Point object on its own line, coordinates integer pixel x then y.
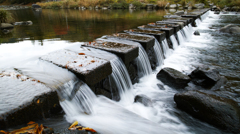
{"type": "Point", "coordinates": [152, 1]}
{"type": "Point", "coordinates": [5, 16]}
{"type": "Point", "coordinates": [138, 4]}
{"type": "Point", "coordinates": [121, 4]}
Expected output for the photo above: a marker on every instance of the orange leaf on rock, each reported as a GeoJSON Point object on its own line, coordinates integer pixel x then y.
{"type": "Point", "coordinates": [31, 122]}
{"type": "Point", "coordinates": [89, 129]}
{"type": "Point", "coordinates": [38, 101]}
{"type": "Point", "coordinates": [1, 131]}
{"type": "Point", "coordinates": [81, 53]}
{"type": "Point", "coordinates": [73, 125]}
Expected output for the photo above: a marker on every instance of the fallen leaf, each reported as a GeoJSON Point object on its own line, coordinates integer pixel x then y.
{"type": "Point", "coordinates": [80, 65]}
{"type": "Point", "coordinates": [38, 101]}
{"type": "Point", "coordinates": [31, 122]}
{"type": "Point", "coordinates": [1, 131]}
{"type": "Point", "coordinates": [81, 53]}
{"type": "Point", "coordinates": [89, 129]}
{"type": "Point", "coordinates": [40, 129]}
{"type": "Point", "coordinates": [92, 61]}
{"type": "Point", "coordinates": [73, 125]}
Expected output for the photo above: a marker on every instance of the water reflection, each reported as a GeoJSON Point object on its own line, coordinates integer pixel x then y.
{"type": "Point", "coordinates": [76, 25]}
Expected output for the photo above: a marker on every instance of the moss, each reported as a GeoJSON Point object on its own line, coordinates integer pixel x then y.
{"type": "Point", "coordinates": [5, 16]}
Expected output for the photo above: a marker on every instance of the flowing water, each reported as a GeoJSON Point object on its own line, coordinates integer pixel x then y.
{"type": "Point", "coordinates": [174, 42]}
{"type": "Point", "coordinates": [220, 51]}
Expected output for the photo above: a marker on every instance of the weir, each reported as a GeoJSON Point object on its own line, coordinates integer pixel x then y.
{"type": "Point", "coordinates": [85, 72]}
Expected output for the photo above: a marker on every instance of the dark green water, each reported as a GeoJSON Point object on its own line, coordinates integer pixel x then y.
{"type": "Point", "coordinates": [76, 25]}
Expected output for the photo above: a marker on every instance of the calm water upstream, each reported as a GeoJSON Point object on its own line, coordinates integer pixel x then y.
{"type": "Point", "coordinates": [77, 25]}
{"type": "Point", "coordinates": [56, 29]}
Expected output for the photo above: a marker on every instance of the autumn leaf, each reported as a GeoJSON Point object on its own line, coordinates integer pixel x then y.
{"type": "Point", "coordinates": [92, 61]}
{"type": "Point", "coordinates": [40, 129]}
{"type": "Point", "coordinates": [80, 65]}
{"type": "Point", "coordinates": [38, 101]}
{"type": "Point", "coordinates": [73, 125]}
{"type": "Point", "coordinates": [31, 122]}
{"type": "Point", "coordinates": [1, 131]}
{"type": "Point", "coordinates": [89, 129]}
{"type": "Point", "coordinates": [81, 53]}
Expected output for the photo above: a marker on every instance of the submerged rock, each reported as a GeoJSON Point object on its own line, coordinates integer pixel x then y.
{"type": "Point", "coordinates": [173, 78]}
{"type": "Point", "coordinates": [211, 108]}
{"type": "Point", "coordinates": [196, 33]}
{"type": "Point", "coordinates": [6, 26]}
{"type": "Point", "coordinates": [232, 29]}
{"type": "Point", "coordinates": [146, 101]}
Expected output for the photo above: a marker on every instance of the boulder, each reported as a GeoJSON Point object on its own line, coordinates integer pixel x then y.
{"type": "Point", "coordinates": [221, 112]}
{"type": "Point", "coordinates": [205, 77]}
{"type": "Point", "coordinates": [35, 6]}
{"type": "Point", "coordinates": [196, 33]}
{"type": "Point", "coordinates": [173, 6]}
{"type": "Point", "coordinates": [24, 23]}
{"type": "Point", "coordinates": [232, 29]}
{"type": "Point", "coordinates": [6, 26]}
{"type": "Point", "coordinates": [179, 13]}
{"type": "Point", "coordinates": [146, 101]}
{"type": "Point", "coordinates": [172, 10]}
{"type": "Point", "coordinates": [173, 78]}
{"type": "Point", "coordinates": [216, 12]}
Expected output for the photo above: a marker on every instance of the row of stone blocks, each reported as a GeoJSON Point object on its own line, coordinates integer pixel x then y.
{"type": "Point", "coordinates": [94, 71]}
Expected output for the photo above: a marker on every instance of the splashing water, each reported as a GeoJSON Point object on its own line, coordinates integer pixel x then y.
{"type": "Point", "coordinates": [174, 42]}
{"type": "Point", "coordinates": [166, 48]}
{"type": "Point", "coordinates": [198, 22]}
{"type": "Point", "coordinates": [190, 28]}
{"type": "Point", "coordinates": [180, 37]}
{"type": "Point", "coordinates": [158, 52]}
{"type": "Point", "coordinates": [187, 32]}
{"type": "Point", "coordinates": [144, 67]}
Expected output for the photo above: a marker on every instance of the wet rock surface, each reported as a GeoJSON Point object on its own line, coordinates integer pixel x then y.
{"type": "Point", "coordinates": [146, 101]}
{"type": "Point", "coordinates": [212, 108]}
{"type": "Point", "coordinates": [6, 26]}
{"type": "Point", "coordinates": [173, 78]}
{"type": "Point", "coordinates": [205, 77]}
{"type": "Point", "coordinates": [232, 29]}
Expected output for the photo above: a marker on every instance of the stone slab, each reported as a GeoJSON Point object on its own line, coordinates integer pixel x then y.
{"type": "Point", "coordinates": [30, 100]}
{"type": "Point", "coordinates": [168, 30]}
{"type": "Point", "coordinates": [159, 35]}
{"type": "Point", "coordinates": [88, 68]}
{"type": "Point", "coordinates": [145, 41]}
{"type": "Point", "coordinates": [181, 24]}
{"type": "Point", "coordinates": [178, 20]}
{"type": "Point", "coordinates": [125, 51]}
{"type": "Point", "coordinates": [175, 27]}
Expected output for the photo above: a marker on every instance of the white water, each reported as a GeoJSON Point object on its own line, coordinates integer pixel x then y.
{"type": "Point", "coordinates": [166, 49]}
{"type": "Point", "coordinates": [174, 42]}
{"type": "Point", "coordinates": [158, 52]}
{"type": "Point", "coordinates": [144, 66]}
{"type": "Point", "coordinates": [187, 32]}
{"type": "Point", "coordinates": [121, 79]}
{"type": "Point", "coordinates": [190, 28]}
{"type": "Point", "coordinates": [180, 37]}
{"type": "Point", "coordinates": [198, 22]}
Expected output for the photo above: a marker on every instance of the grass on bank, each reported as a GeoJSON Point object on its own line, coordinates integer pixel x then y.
{"type": "Point", "coordinates": [5, 17]}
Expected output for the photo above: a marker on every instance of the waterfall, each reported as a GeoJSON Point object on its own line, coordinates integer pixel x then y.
{"type": "Point", "coordinates": [180, 38]}
{"type": "Point", "coordinates": [166, 48]}
{"type": "Point", "coordinates": [158, 52]}
{"type": "Point", "coordinates": [121, 78]}
{"type": "Point", "coordinates": [190, 28]}
{"type": "Point", "coordinates": [186, 32]}
{"type": "Point", "coordinates": [174, 42]}
{"type": "Point", "coordinates": [144, 67]}
{"type": "Point", "coordinates": [197, 21]}
{"type": "Point", "coordinates": [157, 49]}
{"type": "Point", "coordinates": [82, 101]}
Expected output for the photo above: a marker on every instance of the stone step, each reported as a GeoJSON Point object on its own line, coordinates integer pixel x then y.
{"type": "Point", "coordinates": [169, 31]}
{"type": "Point", "coordinates": [87, 68]}
{"type": "Point", "coordinates": [159, 35]}
{"type": "Point", "coordinates": [175, 27]}
{"type": "Point", "coordinates": [146, 41]}
{"type": "Point", "coordinates": [181, 24]}
{"type": "Point", "coordinates": [125, 51]}
{"type": "Point", "coordinates": [177, 20]}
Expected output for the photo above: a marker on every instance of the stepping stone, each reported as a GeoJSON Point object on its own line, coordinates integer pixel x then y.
{"type": "Point", "coordinates": [159, 35]}
{"type": "Point", "coordinates": [168, 31]}
{"type": "Point", "coordinates": [175, 27]}
{"type": "Point", "coordinates": [88, 68]}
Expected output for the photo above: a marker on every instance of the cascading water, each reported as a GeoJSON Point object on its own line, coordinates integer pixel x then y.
{"type": "Point", "coordinates": [198, 22]}
{"type": "Point", "coordinates": [158, 52]}
{"type": "Point", "coordinates": [180, 37]}
{"type": "Point", "coordinates": [186, 32]}
{"type": "Point", "coordinates": [174, 42]}
{"type": "Point", "coordinates": [144, 67]}
{"type": "Point", "coordinates": [157, 49]}
{"type": "Point", "coordinates": [166, 48]}
{"type": "Point", "coordinates": [121, 79]}
{"type": "Point", "coordinates": [190, 28]}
